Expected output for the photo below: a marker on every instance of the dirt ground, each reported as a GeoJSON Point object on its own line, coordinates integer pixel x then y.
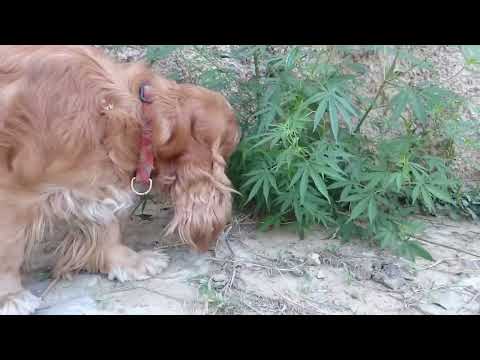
{"type": "Point", "coordinates": [276, 273]}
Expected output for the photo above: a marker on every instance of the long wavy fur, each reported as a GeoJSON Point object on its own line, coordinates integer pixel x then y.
{"type": "Point", "coordinates": [70, 124]}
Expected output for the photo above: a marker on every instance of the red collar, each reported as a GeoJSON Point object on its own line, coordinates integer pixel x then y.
{"type": "Point", "coordinates": [145, 163]}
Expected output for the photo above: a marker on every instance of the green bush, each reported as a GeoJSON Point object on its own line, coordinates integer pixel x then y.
{"type": "Point", "coordinates": [304, 158]}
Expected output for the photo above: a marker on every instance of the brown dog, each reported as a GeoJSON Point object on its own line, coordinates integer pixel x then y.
{"type": "Point", "coordinates": [75, 129]}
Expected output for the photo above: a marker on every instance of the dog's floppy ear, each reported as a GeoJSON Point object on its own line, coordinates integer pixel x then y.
{"type": "Point", "coordinates": [231, 138]}
{"type": "Point", "coordinates": [161, 111]}
{"type": "Point", "coordinates": [202, 190]}
{"type": "Point", "coordinates": [171, 126]}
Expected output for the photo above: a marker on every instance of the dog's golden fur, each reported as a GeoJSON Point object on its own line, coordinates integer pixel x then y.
{"type": "Point", "coordinates": [70, 124]}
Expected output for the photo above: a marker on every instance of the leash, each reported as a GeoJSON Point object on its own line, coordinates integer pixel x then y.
{"type": "Point", "coordinates": [145, 163]}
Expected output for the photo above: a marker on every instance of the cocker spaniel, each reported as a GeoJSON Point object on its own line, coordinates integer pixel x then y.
{"type": "Point", "coordinates": [81, 136]}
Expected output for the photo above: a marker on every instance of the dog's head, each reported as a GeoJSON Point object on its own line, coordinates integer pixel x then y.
{"type": "Point", "coordinates": [195, 133]}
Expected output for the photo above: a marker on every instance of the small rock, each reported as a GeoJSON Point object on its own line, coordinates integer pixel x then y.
{"type": "Point", "coordinates": [394, 283]}
{"type": "Point", "coordinates": [409, 277]}
{"type": "Point", "coordinates": [391, 270]}
{"type": "Point", "coordinates": [391, 283]}
{"type": "Point", "coordinates": [297, 272]}
{"type": "Point", "coordinates": [219, 280]}
{"type": "Point", "coordinates": [354, 295]}
{"type": "Point", "coordinates": [320, 275]}
{"type": "Point", "coordinates": [219, 277]}
{"type": "Point", "coordinates": [363, 271]}
{"type": "Point", "coordinates": [313, 259]}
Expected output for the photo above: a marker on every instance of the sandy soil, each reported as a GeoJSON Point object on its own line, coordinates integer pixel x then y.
{"type": "Point", "coordinates": [275, 273]}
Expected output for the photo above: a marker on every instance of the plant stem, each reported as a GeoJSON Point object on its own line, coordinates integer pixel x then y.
{"type": "Point", "coordinates": [380, 90]}
{"type": "Point", "coordinates": [257, 76]}
{"type": "Point", "coordinates": [255, 62]}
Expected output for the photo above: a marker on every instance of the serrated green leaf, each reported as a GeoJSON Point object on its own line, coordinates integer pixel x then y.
{"type": "Point", "coordinates": [346, 117]}
{"type": "Point", "coordinates": [419, 250]}
{"type": "Point", "coordinates": [427, 199]}
{"type": "Point", "coordinates": [417, 176]}
{"type": "Point", "coordinates": [418, 107]}
{"type": "Point", "coordinates": [439, 194]}
{"type": "Point", "coordinates": [399, 180]}
{"type": "Point", "coordinates": [272, 181]}
{"type": "Point", "coordinates": [345, 192]}
{"type": "Point", "coordinates": [332, 111]}
{"type": "Point", "coordinates": [359, 209]}
{"type": "Point", "coordinates": [322, 108]}
{"type": "Point", "coordinates": [372, 210]}
{"type": "Point", "coordinates": [354, 197]}
{"type": "Point", "coordinates": [337, 81]}
{"type": "Point", "coordinates": [415, 193]}
{"type": "Point", "coordinates": [376, 179]}
{"type": "Point", "coordinates": [297, 176]}
{"type": "Point", "coordinates": [390, 180]}
{"type": "Point", "coordinates": [254, 190]}
{"type": "Point", "coordinates": [399, 103]}
{"type": "Point", "coordinates": [250, 181]}
{"type": "Point", "coordinates": [266, 191]}
{"type": "Point", "coordinates": [339, 184]}
{"type": "Point", "coordinates": [334, 175]}
{"type": "Point", "coordinates": [303, 187]}
{"type": "Point", "coordinates": [271, 137]}
{"type": "Point", "coordinates": [298, 212]}
{"type": "Point", "coordinates": [387, 237]}
{"type": "Point", "coordinates": [359, 68]}
{"type": "Point", "coordinates": [348, 106]}
{"type": "Point", "coordinates": [321, 187]}
{"type": "Point", "coordinates": [285, 204]}
{"type": "Point", "coordinates": [314, 99]}
{"type": "Point", "coordinates": [291, 58]}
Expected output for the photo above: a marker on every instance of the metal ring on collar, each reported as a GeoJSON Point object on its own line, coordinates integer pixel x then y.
{"type": "Point", "coordinates": [132, 186]}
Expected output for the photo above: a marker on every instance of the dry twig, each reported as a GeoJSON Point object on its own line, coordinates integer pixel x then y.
{"type": "Point", "coordinates": [448, 247]}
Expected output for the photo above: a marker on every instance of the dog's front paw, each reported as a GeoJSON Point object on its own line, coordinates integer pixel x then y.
{"type": "Point", "coordinates": [140, 266]}
{"type": "Point", "coordinates": [20, 303]}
